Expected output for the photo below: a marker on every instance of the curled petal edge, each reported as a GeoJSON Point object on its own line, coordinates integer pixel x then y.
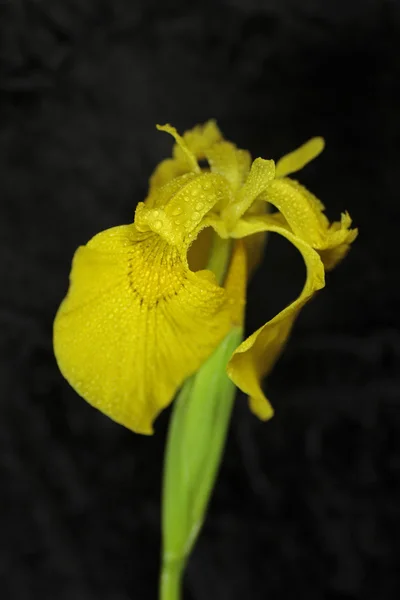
{"type": "Point", "coordinates": [256, 356]}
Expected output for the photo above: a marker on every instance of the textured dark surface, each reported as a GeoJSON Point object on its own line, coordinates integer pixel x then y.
{"type": "Point", "coordinates": [307, 505]}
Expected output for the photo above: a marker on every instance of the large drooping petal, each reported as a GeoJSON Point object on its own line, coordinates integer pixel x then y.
{"type": "Point", "coordinates": [256, 356]}
{"type": "Point", "coordinates": [136, 321]}
{"type": "Point", "coordinates": [296, 160]}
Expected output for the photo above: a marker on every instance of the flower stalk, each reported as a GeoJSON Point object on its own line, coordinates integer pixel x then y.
{"type": "Point", "coordinates": [195, 444]}
{"type": "Point", "coordinates": [194, 450]}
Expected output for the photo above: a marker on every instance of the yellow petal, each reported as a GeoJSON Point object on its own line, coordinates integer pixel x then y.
{"type": "Point", "coordinates": [340, 238]}
{"type": "Point", "coordinates": [296, 160]}
{"type": "Point", "coordinates": [176, 210]}
{"type": "Point", "coordinates": [261, 174]}
{"type": "Point", "coordinates": [230, 162]}
{"type": "Point", "coordinates": [298, 211]}
{"type": "Point", "coordinates": [255, 357]}
{"type": "Point", "coordinates": [191, 146]}
{"type": "Point", "coordinates": [199, 252]}
{"type": "Point", "coordinates": [201, 138]}
{"type": "Point", "coordinates": [185, 154]}
{"type": "Point", "coordinates": [135, 323]}
{"type": "Point", "coordinates": [166, 170]}
{"type": "Point", "coordinates": [236, 281]}
{"type": "Point", "coordinates": [303, 214]}
{"type": "Point", "coordinates": [255, 244]}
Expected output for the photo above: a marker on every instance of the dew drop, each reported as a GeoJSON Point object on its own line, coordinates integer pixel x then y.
{"type": "Point", "coordinates": [177, 211]}
{"type": "Point", "coordinates": [195, 215]}
{"type": "Point", "coordinates": [199, 206]}
{"type": "Point", "coordinates": [157, 224]}
{"type": "Point", "coordinates": [177, 221]}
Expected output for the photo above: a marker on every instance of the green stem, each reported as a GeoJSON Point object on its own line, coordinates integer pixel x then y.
{"type": "Point", "coordinates": [219, 257]}
{"type": "Point", "coordinates": [171, 580]}
{"type": "Point", "coordinates": [195, 444]}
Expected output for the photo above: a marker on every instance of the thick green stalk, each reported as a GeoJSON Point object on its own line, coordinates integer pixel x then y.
{"type": "Point", "coordinates": [219, 257]}
{"type": "Point", "coordinates": [194, 450]}
{"type": "Point", "coordinates": [171, 580]}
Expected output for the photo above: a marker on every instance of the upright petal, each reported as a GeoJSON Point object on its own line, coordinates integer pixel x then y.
{"type": "Point", "coordinates": [192, 145]}
{"type": "Point", "coordinates": [296, 160]}
{"type": "Point", "coordinates": [201, 138]}
{"type": "Point", "coordinates": [261, 174]}
{"type": "Point", "coordinates": [166, 171]}
{"type": "Point", "coordinates": [135, 323]}
{"type": "Point", "coordinates": [184, 161]}
{"type": "Point", "coordinates": [256, 356]}
{"type": "Point", "coordinates": [230, 162]}
{"type": "Point", "coordinates": [181, 150]}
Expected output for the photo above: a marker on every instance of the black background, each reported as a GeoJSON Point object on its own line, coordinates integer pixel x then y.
{"type": "Point", "coordinates": [306, 505]}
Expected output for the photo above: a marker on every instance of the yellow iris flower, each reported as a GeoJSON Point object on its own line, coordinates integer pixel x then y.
{"type": "Point", "coordinates": [143, 313]}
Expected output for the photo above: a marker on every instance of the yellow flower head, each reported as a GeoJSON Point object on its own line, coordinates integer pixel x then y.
{"type": "Point", "coordinates": [143, 312]}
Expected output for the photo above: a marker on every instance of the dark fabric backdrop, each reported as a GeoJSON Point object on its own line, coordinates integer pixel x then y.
{"type": "Point", "coordinates": [306, 505]}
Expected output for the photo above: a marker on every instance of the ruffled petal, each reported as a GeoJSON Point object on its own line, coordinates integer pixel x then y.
{"type": "Point", "coordinates": [256, 356]}
{"type": "Point", "coordinates": [304, 215]}
{"type": "Point", "coordinates": [340, 239]}
{"type": "Point", "coordinates": [296, 160]}
{"type": "Point", "coordinates": [135, 323]}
